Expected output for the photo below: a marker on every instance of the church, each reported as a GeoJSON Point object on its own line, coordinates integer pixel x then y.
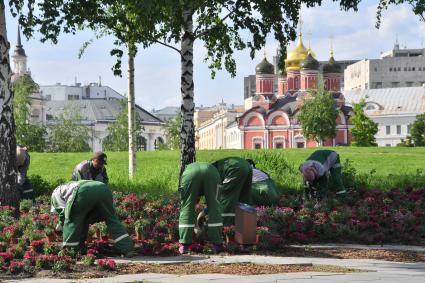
{"type": "Point", "coordinates": [270, 118]}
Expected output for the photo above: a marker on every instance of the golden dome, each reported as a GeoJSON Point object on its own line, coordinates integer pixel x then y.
{"type": "Point", "coordinates": [296, 56]}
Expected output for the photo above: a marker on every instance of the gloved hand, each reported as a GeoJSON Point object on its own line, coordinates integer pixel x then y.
{"type": "Point", "coordinates": [59, 227]}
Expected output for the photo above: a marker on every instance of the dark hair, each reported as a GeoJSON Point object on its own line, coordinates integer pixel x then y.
{"type": "Point", "coordinates": [251, 162]}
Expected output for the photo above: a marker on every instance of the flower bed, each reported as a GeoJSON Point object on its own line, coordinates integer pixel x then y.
{"type": "Point", "coordinates": [364, 216]}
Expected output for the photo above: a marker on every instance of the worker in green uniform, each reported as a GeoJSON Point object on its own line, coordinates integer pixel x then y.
{"type": "Point", "coordinates": [23, 185]}
{"type": "Point", "coordinates": [80, 203]}
{"type": "Point", "coordinates": [93, 169]}
{"type": "Point", "coordinates": [236, 178]}
{"type": "Point", "coordinates": [264, 190]}
{"type": "Point", "coordinates": [322, 174]}
{"type": "Point", "coordinates": [199, 179]}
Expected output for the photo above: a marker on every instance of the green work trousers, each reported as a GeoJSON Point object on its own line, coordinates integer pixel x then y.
{"type": "Point", "coordinates": [198, 179]}
{"type": "Point", "coordinates": [236, 177]}
{"type": "Point", "coordinates": [90, 203]}
{"type": "Point", "coordinates": [265, 192]}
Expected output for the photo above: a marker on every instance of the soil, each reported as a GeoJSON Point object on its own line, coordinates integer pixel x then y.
{"type": "Point", "coordinates": [233, 268]}
{"type": "Point", "coordinates": [400, 256]}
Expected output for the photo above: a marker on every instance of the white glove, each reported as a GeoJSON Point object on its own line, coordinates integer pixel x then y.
{"type": "Point", "coordinates": [59, 227]}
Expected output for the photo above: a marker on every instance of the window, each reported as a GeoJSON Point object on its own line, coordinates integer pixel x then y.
{"type": "Point", "coordinates": [388, 130]}
{"type": "Point", "coordinates": [408, 129]}
{"type": "Point", "coordinates": [48, 97]}
{"type": "Point", "coordinates": [420, 69]}
{"type": "Point", "coordinates": [399, 69]}
{"type": "Point", "coordinates": [394, 84]}
{"type": "Point", "coordinates": [279, 145]}
{"type": "Point", "coordinates": [300, 145]}
{"type": "Point", "coordinates": [409, 83]}
{"type": "Point", "coordinates": [409, 69]}
{"type": "Point", "coordinates": [398, 129]}
{"type": "Point", "coordinates": [405, 69]}
{"type": "Point", "coordinates": [257, 146]}
{"type": "Point", "coordinates": [73, 97]}
{"type": "Point", "coordinates": [413, 68]}
{"type": "Point", "coordinates": [387, 145]}
{"type": "Point", "coordinates": [378, 85]}
{"type": "Point", "coordinates": [391, 69]}
{"type": "Point", "coordinates": [49, 117]}
{"type": "Point", "coordinates": [376, 69]}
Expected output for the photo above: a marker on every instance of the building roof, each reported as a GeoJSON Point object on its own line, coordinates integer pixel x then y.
{"type": "Point", "coordinates": [170, 110]}
{"type": "Point", "coordinates": [98, 110]}
{"type": "Point", "coordinates": [389, 101]}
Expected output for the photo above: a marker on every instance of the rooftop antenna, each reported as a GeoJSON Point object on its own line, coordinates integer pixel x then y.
{"type": "Point", "coordinates": [100, 81]}
{"type": "Point", "coordinates": [331, 45]}
{"type": "Point", "coordinates": [75, 80]}
{"type": "Point", "coordinates": [264, 51]}
{"type": "Point", "coordinates": [396, 45]}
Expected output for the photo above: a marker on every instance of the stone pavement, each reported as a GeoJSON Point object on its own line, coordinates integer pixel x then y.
{"type": "Point", "coordinates": [375, 271]}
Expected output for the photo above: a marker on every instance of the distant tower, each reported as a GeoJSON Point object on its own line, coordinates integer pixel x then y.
{"type": "Point", "coordinates": [19, 60]}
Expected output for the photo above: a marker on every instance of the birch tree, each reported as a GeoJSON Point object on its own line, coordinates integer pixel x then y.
{"type": "Point", "coordinates": [8, 192]}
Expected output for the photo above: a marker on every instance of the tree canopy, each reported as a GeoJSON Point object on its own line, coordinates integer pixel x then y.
{"type": "Point", "coordinates": [417, 130]}
{"type": "Point", "coordinates": [67, 134]}
{"type": "Point", "coordinates": [28, 134]}
{"type": "Point", "coordinates": [364, 129]}
{"type": "Point", "coordinates": [318, 115]}
{"type": "Point", "coordinates": [117, 139]}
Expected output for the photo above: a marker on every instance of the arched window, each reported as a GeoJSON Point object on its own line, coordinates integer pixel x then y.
{"type": "Point", "coordinates": [141, 143]}
{"type": "Point", "coordinates": [158, 143]}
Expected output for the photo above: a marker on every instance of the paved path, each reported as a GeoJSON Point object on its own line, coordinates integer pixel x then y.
{"type": "Point", "coordinates": [379, 271]}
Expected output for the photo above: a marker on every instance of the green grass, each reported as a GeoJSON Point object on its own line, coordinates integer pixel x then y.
{"type": "Point", "coordinates": [157, 172]}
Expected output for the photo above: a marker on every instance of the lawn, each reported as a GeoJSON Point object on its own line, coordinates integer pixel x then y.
{"type": "Point", "coordinates": [157, 172]}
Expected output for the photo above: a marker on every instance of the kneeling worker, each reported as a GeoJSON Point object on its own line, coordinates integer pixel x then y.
{"type": "Point", "coordinates": [264, 190]}
{"type": "Point", "coordinates": [86, 202]}
{"type": "Point", "coordinates": [236, 178]}
{"type": "Point", "coordinates": [24, 187]}
{"type": "Point", "coordinates": [93, 169]}
{"type": "Point", "coordinates": [199, 179]}
{"type": "Point", "coordinates": [321, 169]}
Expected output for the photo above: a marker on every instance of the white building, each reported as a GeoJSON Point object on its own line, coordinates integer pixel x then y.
{"type": "Point", "coordinates": [78, 92]}
{"type": "Point", "coordinates": [99, 107]}
{"type": "Point", "coordinates": [232, 135]}
{"type": "Point", "coordinates": [396, 68]}
{"type": "Point", "coordinates": [394, 109]}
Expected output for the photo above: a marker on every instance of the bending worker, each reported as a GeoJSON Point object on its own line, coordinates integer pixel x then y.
{"type": "Point", "coordinates": [93, 169]}
{"type": "Point", "coordinates": [199, 179]}
{"type": "Point", "coordinates": [81, 203]}
{"type": "Point", "coordinates": [22, 164]}
{"type": "Point", "coordinates": [264, 190]}
{"type": "Point", "coordinates": [322, 174]}
{"type": "Point", "coordinates": [236, 178]}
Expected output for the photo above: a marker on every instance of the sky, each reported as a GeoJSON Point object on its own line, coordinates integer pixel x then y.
{"type": "Point", "coordinates": [157, 68]}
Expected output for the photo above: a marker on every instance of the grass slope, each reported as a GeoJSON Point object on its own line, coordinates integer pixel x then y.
{"type": "Point", "coordinates": [157, 172]}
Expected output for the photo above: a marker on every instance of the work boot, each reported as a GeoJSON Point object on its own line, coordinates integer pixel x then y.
{"type": "Point", "coordinates": [183, 249]}
{"type": "Point", "coordinates": [217, 248]}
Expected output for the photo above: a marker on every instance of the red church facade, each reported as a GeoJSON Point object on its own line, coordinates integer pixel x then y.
{"type": "Point", "coordinates": [270, 121]}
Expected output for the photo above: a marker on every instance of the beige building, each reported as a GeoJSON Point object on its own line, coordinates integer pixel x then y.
{"type": "Point", "coordinates": [395, 68]}
{"type": "Point", "coordinates": [211, 134]}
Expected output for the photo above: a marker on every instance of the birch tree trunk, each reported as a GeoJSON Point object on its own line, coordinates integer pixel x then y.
{"type": "Point", "coordinates": [131, 115]}
{"type": "Point", "coordinates": [187, 133]}
{"type": "Point", "coordinates": [8, 192]}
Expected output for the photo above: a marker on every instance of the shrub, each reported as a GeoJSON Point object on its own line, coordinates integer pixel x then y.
{"type": "Point", "coordinates": [107, 264]}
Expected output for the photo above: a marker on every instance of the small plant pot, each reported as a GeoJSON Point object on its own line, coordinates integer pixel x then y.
{"type": "Point", "coordinates": [13, 241]}
{"type": "Point", "coordinates": [51, 238]}
{"type": "Point", "coordinates": [139, 235]}
{"type": "Point", "coordinates": [230, 239]}
{"type": "Point", "coordinates": [98, 234]}
{"type": "Point", "coordinates": [257, 239]}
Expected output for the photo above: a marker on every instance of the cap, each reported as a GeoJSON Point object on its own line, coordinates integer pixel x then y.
{"type": "Point", "coordinates": [309, 174]}
{"type": "Point", "coordinates": [100, 156]}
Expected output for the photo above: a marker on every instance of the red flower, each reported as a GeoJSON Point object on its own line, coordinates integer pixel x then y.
{"type": "Point", "coordinates": [107, 264]}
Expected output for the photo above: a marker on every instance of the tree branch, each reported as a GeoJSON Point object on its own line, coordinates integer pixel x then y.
{"type": "Point", "coordinates": [422, 16]}
{"type": "Point", "coordinates": [167, 45]}
{"type": "Point", "coordinates": [195, 36]}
